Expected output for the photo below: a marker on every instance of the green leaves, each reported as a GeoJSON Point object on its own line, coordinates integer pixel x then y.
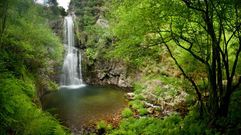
{"type": "Point", "coordinates": [135, 25]}
{"type": "Point", "coordinates": [18, 112]}
{"type": "Point", "coordinates": [28, 47]}
{"type": "Point", "coordinates": [149, 126]}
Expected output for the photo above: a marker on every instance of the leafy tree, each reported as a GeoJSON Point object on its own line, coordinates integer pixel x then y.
{"type": "Point", "coordinates": [27, 48]}
{"type": "Point", "coordinates": [207, 30]}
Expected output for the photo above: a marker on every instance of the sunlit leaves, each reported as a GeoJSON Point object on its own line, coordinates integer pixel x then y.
{"type": "Point", "coordinates": [18, 112]}
{"type": "Point", "coordinates": [27, 48]}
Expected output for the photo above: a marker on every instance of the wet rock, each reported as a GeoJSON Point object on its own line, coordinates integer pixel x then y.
{"type": "Point", "coordinates": [157, 113]}
{"type": "Point", "coordinates": [104, 72]}
{"type": "Point", "coordinates": [150, 110]}
{"type": "Point", "coordinates": [130, 95]}
{"type": "Point", "coordinates": [101, 75]}
{"type": "Point", "coordinates": [151, 105]}
{"type": "Point", "coordinates": [102, 22]}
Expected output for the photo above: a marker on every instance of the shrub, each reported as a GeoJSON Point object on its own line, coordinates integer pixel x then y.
{"type": "Point", "coordinates": [19, 114]}
{"type": "Point", "coordinates": [149, 126]}
{"type": "Point", "coordinates": [142, 111]}
{"type": "Point", "coordinates": [103, 127]}
{"type": "Point", "coordinates": [126, 113]}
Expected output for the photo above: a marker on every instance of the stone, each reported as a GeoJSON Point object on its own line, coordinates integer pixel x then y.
{"type": "Point", "coordinates": [101, 75]}
{"type": "Point", "coordinates": [107, 72]}
{"type": "Point", "coordinates": [150, 110]}
{"type": "Point", "coordinates": [130, 95]}
{"type": "Point", "coordinates": [102, 22]}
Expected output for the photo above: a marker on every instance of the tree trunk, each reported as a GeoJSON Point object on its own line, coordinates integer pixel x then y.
{"type": "Point", "coordinates": [224, 104]}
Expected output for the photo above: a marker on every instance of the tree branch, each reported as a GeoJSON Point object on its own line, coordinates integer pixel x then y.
{"type": "Point", "coordinates": [189, 50]}
{"type": "Point", "coordinates": [199, 96]}
{"type": "Point", "coordinates": [236, 59]}
{"type": "Point", "coordinates": [239, 49]}
{"type": "Point", "coordinates": [189, 4]}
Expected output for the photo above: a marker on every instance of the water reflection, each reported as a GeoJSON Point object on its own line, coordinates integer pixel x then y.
{"type": "Point", "coordinates": [81, 106]}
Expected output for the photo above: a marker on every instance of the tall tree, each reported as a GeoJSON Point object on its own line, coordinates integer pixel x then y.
{"type": "Point", "coordinates": [208, 30]}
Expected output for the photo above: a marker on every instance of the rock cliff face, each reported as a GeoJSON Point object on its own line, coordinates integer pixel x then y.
{"type": "Point", "coordinates": [108, 72]}
{"type": "Point", "coordinates": [91, 28]}
{"type": "Point", "coordinates": [57, 26]}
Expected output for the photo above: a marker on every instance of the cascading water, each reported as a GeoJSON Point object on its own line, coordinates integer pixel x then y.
{"type": "Point", "coordinates": [78, 107]}
{"type": "Point", "coordinates": [71, 71]}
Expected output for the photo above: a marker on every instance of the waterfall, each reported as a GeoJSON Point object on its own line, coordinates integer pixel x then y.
{"type": "Point", "coordinates": [71, 71]}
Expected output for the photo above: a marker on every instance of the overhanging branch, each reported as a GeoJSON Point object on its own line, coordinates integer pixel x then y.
{"type": "Point", "coordinates": [190, 5]}
{"type": "Point", "coordinates": [189, 50]}
{"type": "Point", "coordinates": [199, 95]}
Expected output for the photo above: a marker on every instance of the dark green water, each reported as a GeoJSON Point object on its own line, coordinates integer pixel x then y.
{"type": "Point", "coordinates": [81, 106]}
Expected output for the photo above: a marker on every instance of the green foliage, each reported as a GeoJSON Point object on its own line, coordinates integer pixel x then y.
{"type": "Point", "coordinates": [29, 51]}
{"type": "Point", "coordinates": [133, 33]}
{"type": "Point", "coordinates": [126, 113]}
{"type": "Point", "coordinates": [234, 113]}
{"type": "Point", "coordinates": [138, 87]}
{"type": "Point", "coordinates": [87, 12]}
{"type": "Point", "coordinates": [142, 111]}
{"type": "Point", "coordinates": [103, 125]}
{"type": "Point", "coordinates": [149, 126]}
{"type": "Point", "coordinates": [90, 52]}
{"type": "Point", "coordinates": [136, 104]}
{"type": "Point", "coordinates": [30, 48]}
{"type": "Point", "coordinates": [234, 108]}
{"type": "Point", "coordinates": [18, 114]}
{"type": "Point", "coordinates": [171, 125]}
{"type": "Point", "coordinates": [91, 34]}
{"type": "Point", "coordinates": [197, 36]}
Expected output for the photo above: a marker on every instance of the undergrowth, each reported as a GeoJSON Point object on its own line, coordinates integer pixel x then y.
{"type": "Point", "coordinates": [18, 113]}
{"type": "Point", "coordinates": [135, 123]}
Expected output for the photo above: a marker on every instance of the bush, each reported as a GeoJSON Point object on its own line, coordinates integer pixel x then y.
{"type": "Point", "coordinates": [192, 124]}
{"type": "Point", "coordinates": [126, 113]}
{"type": "Point", "coordinates": [149, 126]}
{"type": "Point", "coordinates": [142, 111]}
{"type": "Point", "coordinates": [18, 113]}
{"type": "Point", "coordinates": [103, 127]}
{"type": "Point", "coordinates": [136, 104]}
{"type": "Point", "coordinates": [28, 50]}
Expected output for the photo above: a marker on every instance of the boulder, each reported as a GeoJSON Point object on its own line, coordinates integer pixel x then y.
{"type": "Point", "coordinates": [130, 95]}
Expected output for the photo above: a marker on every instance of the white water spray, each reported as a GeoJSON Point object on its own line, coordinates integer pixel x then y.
{"type": "Point", "coordinates": [71, 72]}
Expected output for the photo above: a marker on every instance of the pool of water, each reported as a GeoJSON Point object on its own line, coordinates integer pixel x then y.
{"type": "Point", "coordinates": [78, 107]}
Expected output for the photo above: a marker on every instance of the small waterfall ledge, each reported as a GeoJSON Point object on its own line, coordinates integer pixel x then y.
{"type": "Point", "coordinates": [71, 72]}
